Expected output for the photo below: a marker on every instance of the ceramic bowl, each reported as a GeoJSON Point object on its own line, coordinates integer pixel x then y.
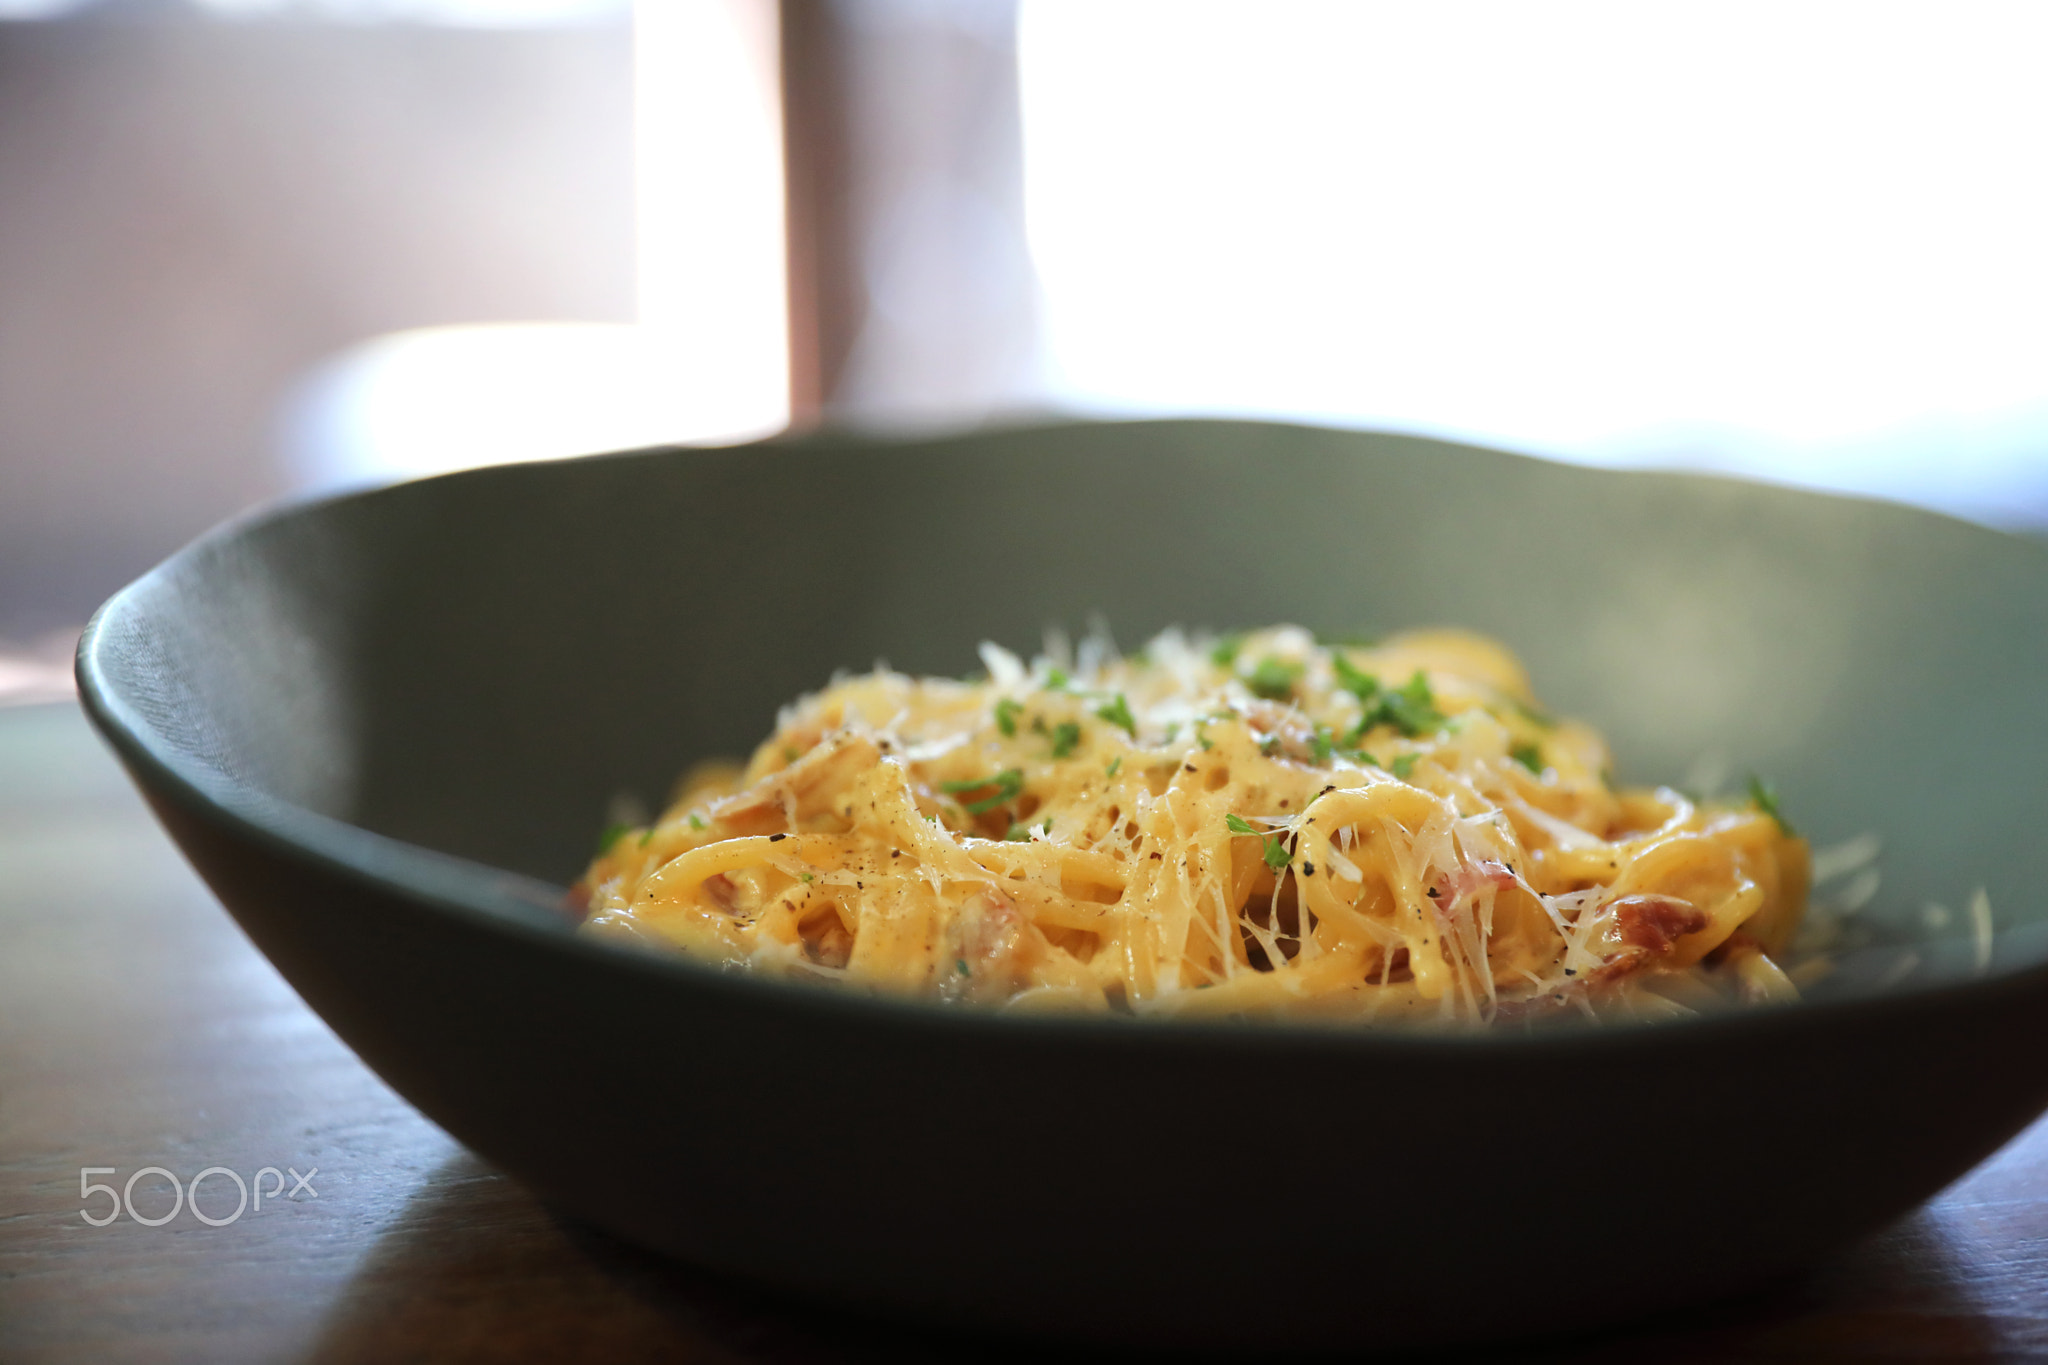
{"type": "Point", "coordinates": [386, 729]}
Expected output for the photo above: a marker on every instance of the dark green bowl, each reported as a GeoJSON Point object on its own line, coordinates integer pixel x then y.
{"type": "Point", "coordinates": [386, 729]}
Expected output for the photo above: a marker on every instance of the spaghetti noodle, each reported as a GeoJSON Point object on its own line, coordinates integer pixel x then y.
{"type": "Point", "coordinates": [1258, 826]}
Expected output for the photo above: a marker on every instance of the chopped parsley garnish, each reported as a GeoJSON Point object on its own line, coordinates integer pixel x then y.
{"type": "Point", "coordinates": [1006, 717]}
{"type": "Point", "coordinates": [805, 878]}
{"type": "Point", "coordinates": [1118, 713]}
{"type": "Point", "coordinates": [1057, 680]}
{"type": "Point", "coordinates": [1114, 764]}
{"type": "Point", "coordinates": [1529, 756]}
{"type": "Point", "coordinates": [1403, 766]}
{"type": "Point", "coordinates": [1411, 710]}
{"type": "Point", "coordinates": [1017, 834]}
{"type": "Point", "coordinates": [1008, 784]}
{"type": "Point", "coordinates": [1274, 678]}
{"type": "Point", "coordinates": [695, 823]}
{"type": "Point", "coordinates": [1765, 798]}
{"type": "Point", "coordinates": [1275, 848]}
{"type": "Point", "coordinates": [612, 834]}
{"type": "Point", "coordinates": [1323, 746]}
{"type": "Point", "coordinates": [1065, 736]}
{"type": "Point", "coordinates": [1202, 736]}
{"type": "Point", "coordinates": [961, 963]}
{"type": "Point", "coordinates": [1225, 653]}
{"type": "Point", "coordinates": [1359, 684]}
{"type": "Point", "coordinates": [648, 837]}
{"type": "Point", "coordinates": [1270, 745]}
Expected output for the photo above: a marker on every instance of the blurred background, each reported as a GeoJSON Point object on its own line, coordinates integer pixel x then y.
{"type": "Point", "coordinates": [255, 249]}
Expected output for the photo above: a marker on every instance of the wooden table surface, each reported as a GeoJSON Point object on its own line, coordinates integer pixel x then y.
{"type": "Point", "coordinates": [138, 1028]}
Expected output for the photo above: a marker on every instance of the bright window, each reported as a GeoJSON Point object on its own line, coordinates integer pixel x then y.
{"type": "Point", "coordinates": [1804, 240]}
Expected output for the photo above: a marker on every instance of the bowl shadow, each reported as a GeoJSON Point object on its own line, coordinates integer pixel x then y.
{"type": "Point", "coordinates": [476, 1268]}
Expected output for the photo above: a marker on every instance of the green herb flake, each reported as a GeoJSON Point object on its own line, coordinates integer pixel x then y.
{"type": "Point", "coordinates": [1237, 824]}
{"type": "Point", "coordinates": [1411, 710]}
{"type": "Point", "coordinates": [1016, 834]}
{"type": "Point", "coordinates": [1529, 756]}
{"type": "Point", "coordinates": [612, 834]}
{"type": "Point", "coordinates": [1404, 766]}
{"type": "Point", "coordinates": [1008, 785]}
{"type": "Point", "coordinates": [1359, 684]}
{"type": "Point", "coordinates": [961, 963]}
{"type": "Point", "coordinates": [1057, 680]}
{"type": "Point", "coordinates": [806, 878]}
{"type": "Point", "coordinates": [1274, 678]}
{"type": "Point", "coordinates": [695, 821]}
{"type": "Point", "coordinates": [1321, 745]}
{"type": "Point", "coordinates": [648, 837]}
{"type": "Point", "coordinates": [1065, 736]}
{"type": "Point", "coordinates": [1006, 717]}
{"type": "Point", "coordinates": [1764, 797]}
{"type": "Point", "coordinates": [1202, 737]}
{"type": "Point", "coordinates": [1270, 745]}
{"type": "Point", "coordinates": [1118, 713]}
{"type": "Point", "coordinates": [1277, 855]}
{"type": "Point", "coordinates": [790, 753]}
{"type": "Point", "coordinates": [1225, 652]}
{"type": "Point", "coordinates": [1114, 764]}
{"type": "Point", "coordinates": [1047, 826]}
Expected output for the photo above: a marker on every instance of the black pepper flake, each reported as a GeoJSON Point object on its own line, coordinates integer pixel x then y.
{"type": "Point", "coordinates": [1571, 971]}
{"type": "Point", "coordinates": [777, 838]}
{"type": "Point", "coordinates": [1308, 869]}
{"type": "Point", "coordinates": [1190, 768]}
{"type": "Point", "coordinates": [1433, 893]}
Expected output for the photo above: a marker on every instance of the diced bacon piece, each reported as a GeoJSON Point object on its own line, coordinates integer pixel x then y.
{"type": "Point", "coordinates": [1655, 923]}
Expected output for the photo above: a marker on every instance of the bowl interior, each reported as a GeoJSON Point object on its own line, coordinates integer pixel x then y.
{"type": "Point", "coordinates": [479, 664]}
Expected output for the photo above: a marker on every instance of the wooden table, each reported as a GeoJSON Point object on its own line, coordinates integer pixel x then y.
{"type": "Point", "coordinates": [138, 1028]}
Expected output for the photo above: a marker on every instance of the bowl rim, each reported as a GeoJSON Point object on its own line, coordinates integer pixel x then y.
{"type": "Point", "coordinates": [501, 902]}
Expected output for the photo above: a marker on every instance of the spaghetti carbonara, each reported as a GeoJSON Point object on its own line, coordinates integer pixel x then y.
{"type": "Point", "coordinates": [1259, 826]}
